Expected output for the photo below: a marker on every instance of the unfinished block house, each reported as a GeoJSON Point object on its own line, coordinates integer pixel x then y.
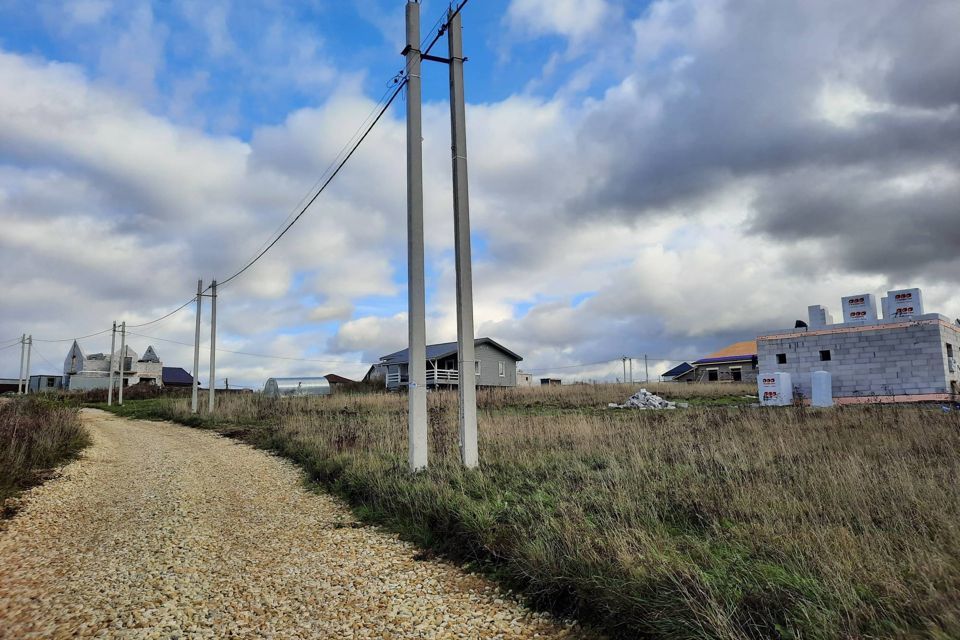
{"type": "Point", "coordinates": [83, 372]}
{"type": "Point", "coordinates": [907, 355]}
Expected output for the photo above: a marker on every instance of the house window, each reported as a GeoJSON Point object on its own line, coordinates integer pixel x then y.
{"type": "Point", "coordinates": [50, 382]}
{"type": "Point", "coordinates": [476, 367]}
{"type": "Point", "coordinates": [502, 370]}
{"type": "Point", "coordinates": [825, 355]}
{"type": "Point", "coordinates": [949, 350]}
{"type": "Point", "coordinates": [713, 375]}
{"type": "Point", "coordinates": [736, 374]}
{"type": "Point", "coordinates": [781, 358]}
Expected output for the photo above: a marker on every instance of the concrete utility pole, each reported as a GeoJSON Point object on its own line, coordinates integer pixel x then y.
{"type": "Point", "coordinates": [196, 349]}
{"type": "Point", "coordinates": [123, 360]}
{"type": "Point", "coordinates": [23, 353]}
{"type": "Point", "coordinates": [631, 369]}
{"type": "Point", "coordinates": [646, 369]}
{"type": "Point", "coordinates": [623, 359]}
{"type": "Point", "coordinates": [213, 340]}
{"type": "Point", "coordinates": [26, 375]}
{"type": "Point", "coordinates": [461, 229]}
{"type": "Point", "coordinates": [113, 350]}
{"type": "Point", "coordinates": [416, 313]}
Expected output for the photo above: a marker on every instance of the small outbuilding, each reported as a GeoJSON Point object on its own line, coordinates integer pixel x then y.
{"type": "Point", "coordinates": [296, 387]}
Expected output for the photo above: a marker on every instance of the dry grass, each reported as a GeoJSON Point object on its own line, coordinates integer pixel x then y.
{"type": "Point", "coordinates": [36, 434]}
{"type": "Point", "coordinates": [716, 521]}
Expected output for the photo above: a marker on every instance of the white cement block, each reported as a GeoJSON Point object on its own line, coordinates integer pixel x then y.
{"type": "Point", "coordinates": [859, 309]}
{"type": "Point", "coordinates": [821, 389]}
{"type": "Point", "coordinates": [775, 389]}
{"type": "Point", "coordinates": [904, 303]}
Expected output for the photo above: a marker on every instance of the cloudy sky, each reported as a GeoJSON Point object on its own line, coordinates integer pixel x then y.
{"type": "Point", "coordinates": [656, 178]}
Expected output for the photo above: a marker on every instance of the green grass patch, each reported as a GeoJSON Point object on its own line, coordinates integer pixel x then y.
{"type": "Point", "coordinates": [36, 435]}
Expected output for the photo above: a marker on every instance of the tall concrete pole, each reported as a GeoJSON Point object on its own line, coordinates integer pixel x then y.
{"type": "Point", "coordinates": [461, 229]}
{"type": "Point", "coordinates": [23, 353]}
{"type": "Point", "coordinates": [26, 375]}
{"type": "Point", "coordinates": [213, 341]}
{"type": "Point", "coordinates": [113, 350]}
{"type": "Point", "coordinates": [416, 316]}
{"type": "Point", "coordinates": [123, 360]}
{"type": "Point", "coordinates": [196, 349]}
{"type": "Point", "coordinates": [623, 359]}
{"type": "Point", "coordinates": [631, 370]}
{"type": "Point", "coordinates": [646, 369]}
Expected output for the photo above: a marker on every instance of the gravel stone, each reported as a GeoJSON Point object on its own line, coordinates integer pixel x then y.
{"type": "Point", "coordinates": [162, 531]}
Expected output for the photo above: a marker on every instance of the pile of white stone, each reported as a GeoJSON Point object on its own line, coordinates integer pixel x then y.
{"type": "Point", "coordinates": [643, 399]}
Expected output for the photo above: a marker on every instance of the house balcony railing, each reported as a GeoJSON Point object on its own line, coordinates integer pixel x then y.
{"type": "Point", "coordinates": [435, 377]}
{"type": "Point", "coordinates": [442, 376]}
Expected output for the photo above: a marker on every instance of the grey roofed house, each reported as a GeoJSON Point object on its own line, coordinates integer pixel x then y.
{"type": "Point", "coordinates": [496, 365]}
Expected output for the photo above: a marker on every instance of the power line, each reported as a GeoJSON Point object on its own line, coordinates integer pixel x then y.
{"type": "Point", "coordinates": [322, 188]}
{"type": "Point", "coordinates": [399, 81]}
{"type": "Point", "coordinates": [254, 355]}
{"type": "Point", "coordinates": [44, 358]}
{"type": "Point", "coordinates": [90, 335]}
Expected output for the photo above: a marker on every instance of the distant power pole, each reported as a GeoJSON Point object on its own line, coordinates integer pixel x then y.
{"type": "Point", "coordinates": [196, 349]}
{"type": "Point", "coordinates": [23, 354]}
{"type": "Point", "coordinates": [631, 369]}
{"type": "Point", "coordinates": [26, 375]}
{"type": "Point", "coordinates": [461, 228]}
{"type": "Point", "coordinates": [416, 297]}
{"type": "Point", "coordinates": [113, 350]}
{"type": "Point", "coordinates": [123, 360]}
{"type": "Point", "coordinates": [623, 359]}
{"type": "Point", "coordinates": [213, 340]}
{"type": "Point", "coordinates": [646, 369]}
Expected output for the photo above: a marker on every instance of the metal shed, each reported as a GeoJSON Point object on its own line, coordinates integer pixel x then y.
{"type": "Point", "coordinates": [289, 387]}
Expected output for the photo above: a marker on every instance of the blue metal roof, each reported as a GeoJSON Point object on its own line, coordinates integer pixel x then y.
{"type": "Point", "coordinates": [176, 375]}
{"type": "Point", "coordinates": [678, 370]}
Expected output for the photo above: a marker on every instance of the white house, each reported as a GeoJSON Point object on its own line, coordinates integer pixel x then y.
{"type": "Point", "coordinates": [82, 371]}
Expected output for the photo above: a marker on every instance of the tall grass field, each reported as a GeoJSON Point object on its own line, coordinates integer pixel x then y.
{"type": "Point", "coordinates": [36, 434]}
{"type": "Point", "coordinates": [722, 520]}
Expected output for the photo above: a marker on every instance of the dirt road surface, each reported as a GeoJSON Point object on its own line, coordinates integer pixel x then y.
{"type": "Point", "coordinates": [161, 531]}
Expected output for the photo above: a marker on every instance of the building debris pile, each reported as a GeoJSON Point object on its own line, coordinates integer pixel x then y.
{"type": "Point", "coordinates": [643, 399]}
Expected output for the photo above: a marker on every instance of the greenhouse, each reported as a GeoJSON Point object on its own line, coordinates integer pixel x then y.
{"type": "Point", "coordinates": [290, 387]}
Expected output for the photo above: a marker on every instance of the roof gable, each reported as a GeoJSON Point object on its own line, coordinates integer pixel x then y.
{"type": "Point", "coordinates": [443, 350]}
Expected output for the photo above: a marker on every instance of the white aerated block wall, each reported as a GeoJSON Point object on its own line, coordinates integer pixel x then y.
{"type": "Point", "coordinates": [819, 316]}
{"type": "Point", "coordinates": [859, 309]}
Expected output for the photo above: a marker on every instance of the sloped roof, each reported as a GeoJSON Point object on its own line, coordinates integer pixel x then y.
{"type": "Point", "coordinates": [176, 375]}
{"type": "Point", "coordinates": [678, 370]}
{"type": "Point", "coordinates": [333, 378]}
{"type": "Point", "coordinates": [442, 350]}
{"type": "Point", "coordinates": [744, 350]}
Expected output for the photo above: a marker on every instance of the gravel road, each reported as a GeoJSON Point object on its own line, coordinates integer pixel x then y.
{"type": "Point", "coordinates": [161, 531]}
